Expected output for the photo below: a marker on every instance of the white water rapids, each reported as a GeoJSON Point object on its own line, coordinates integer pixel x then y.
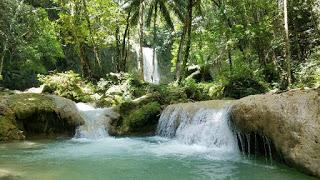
{"type": "Point", "coordinates": [96, 120]}
{"type": "Point", "coordinates": [205, 127]}
{"type": "Point", "coordinates": [203, 130]}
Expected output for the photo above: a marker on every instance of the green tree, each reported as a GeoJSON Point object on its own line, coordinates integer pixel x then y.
{"type": "Point", "coordinates": [28, 42]}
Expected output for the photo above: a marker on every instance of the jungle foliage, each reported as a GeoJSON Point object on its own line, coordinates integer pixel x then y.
{"type": "Point", "coordinates": [244, 47]}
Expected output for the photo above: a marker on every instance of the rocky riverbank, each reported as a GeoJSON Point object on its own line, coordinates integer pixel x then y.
{"type": "Point", "coordinates": [290, 120]}
{"type": "Point", "coordinates": [27, 115]}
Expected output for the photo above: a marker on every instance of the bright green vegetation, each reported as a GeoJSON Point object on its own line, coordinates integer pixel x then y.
{"type": "Point", "coordinates": [142, 120]}
{"type": "Point", "coordinates": [8, 130]}
{"type": "Point", "coordinates": [69, 85]}
{"type": "Point", "coordinates": [248, 47]}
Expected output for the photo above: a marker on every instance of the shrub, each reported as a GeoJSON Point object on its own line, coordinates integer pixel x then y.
{"type": "Point", "coordinates": [309, 73]}
{"type": "Point", "coordinates": [202, 91]}
{"type": "Point", "coordinates": [241, 86]}
{"type": "Point", "coordinates": [69, 85]}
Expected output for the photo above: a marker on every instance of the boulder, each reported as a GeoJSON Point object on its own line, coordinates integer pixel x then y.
{"type": "Point", "coordinates": [137, 117]}
{"type": "Point", "coordinates": [31, 115]}
{"type": "Point", "coordinates": [291, 120]}
{"type": "Point", "coordinates": [67, 110]}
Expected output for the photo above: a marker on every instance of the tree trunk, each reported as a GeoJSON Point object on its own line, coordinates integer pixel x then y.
{"type": "Point", "coordinates": [123, 49]}
{"type": "Point", "coordinates": [80, 45]}
{"type": "Point", "coordinates": [85, 66]}
{"type": "Point", "coordinates": [126, 51]}
{"type": "Point", "coordinates": [230, 61]}
{"type": "Point", "coordinates": [287, 41]}
{"type": "Point", "coordinates": [188, 45]}
{"type": "Point", "coordinates": [95, 51]}
{"type": "Point", "coordinates": [3, 54]}
{"type": "Point", "coordinates": [154, 39]}
{"type": "Point", "coordinates": [179, 55]}
{"type": "Point", "coordinates": [141, 24]}
{"type": "Point", "coordinates": [118, 49]}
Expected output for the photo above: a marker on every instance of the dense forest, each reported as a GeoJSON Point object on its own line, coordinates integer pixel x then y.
{"type": "Point", "coordinates": [261, 45]}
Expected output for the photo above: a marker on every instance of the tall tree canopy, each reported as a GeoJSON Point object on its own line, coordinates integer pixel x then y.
{"type": "Point", "coordinates": [274, 42]}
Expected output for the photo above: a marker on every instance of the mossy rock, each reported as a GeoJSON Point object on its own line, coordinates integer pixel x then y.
{"type": "Point", "coordinates": [9, 130]}
{"type": "Point", "coordinates": [142, 120]}
{"type": "Point", "coordinates": [136, 119]}
{"type": "Point", "coordinates": [32, 115]}
{"type": "Point", "coordinates": [24, 105]}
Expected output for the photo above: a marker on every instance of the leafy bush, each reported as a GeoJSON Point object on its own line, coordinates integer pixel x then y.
{"type": "Point", "coordinates": [309, 72]}
{"type": "Point", "coordinates": [119, 87]}
{"type": "Point", "coordinates": [111, 80]}
{"type": "Point", "coordinates": [241, 86]}
{"type": "Point", "coordinates": [69, 85]}
{"type": "Point", "coordinates": [202, 91]}
{"type": "Point", "coordinates": [168, 94]}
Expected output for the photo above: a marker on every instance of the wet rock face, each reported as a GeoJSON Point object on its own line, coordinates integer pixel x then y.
{"type": "Point", "coordinates": [291, 120]}
{"type": "Point", "coordinates": [29, 115]}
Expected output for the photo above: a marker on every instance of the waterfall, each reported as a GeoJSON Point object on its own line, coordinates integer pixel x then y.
{"type": "Point", "coordinates": [95, 122]}
{"type": "Point", "coordinates": [150, 66]}
{"type": "Point", "coordinates": [203, 126]}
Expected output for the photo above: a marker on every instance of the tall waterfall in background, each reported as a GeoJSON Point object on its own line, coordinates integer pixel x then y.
{"type": "Point", "coordinates": [205, 127]}
{"type": "Point", "coordinates": [151, 67]}
{"type": "Point", "coordinates": [95, 122]}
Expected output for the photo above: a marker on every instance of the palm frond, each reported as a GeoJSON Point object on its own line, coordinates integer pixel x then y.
{"type": "Point", "coordinates": [166, 14]}
{"type": "Point", "coordinates": [150, 13]}
{"type": "Point", "coordinates": [134, 18]}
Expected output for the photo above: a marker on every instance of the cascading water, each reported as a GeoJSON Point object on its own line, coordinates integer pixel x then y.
{"type": "Point", "coordinates": [202, 146]}
{"type": "Point", "coordinates": [95, 122]}
{"type": "Point", "coordinates": [205, 127]}
{"type": "Point", "coordinates": [151, 66]}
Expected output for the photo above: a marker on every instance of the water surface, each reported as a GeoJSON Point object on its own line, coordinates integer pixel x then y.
{"type": "Point", "coordinates": [133, 158]}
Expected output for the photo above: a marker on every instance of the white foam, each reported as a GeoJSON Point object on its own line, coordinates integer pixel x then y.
{"type": "Point", "coordinates": [207, 128]}
{"type": "Point", "coordinates": [96, 122]}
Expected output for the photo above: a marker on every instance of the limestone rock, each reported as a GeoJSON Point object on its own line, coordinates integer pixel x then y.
{"type": "Point", "coordinates": [67, 110]}
{"type": "Point", "coordinates": [28, 114]}
{"type": "Point", "coordinates": [291, 120]}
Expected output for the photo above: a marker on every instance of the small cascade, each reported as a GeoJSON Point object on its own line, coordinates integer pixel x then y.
{"type": "Point", "coordinates": [150, 66]}
{"type": "Point", "coordinates": [252, 145]}
{"type": "Point", "coordinates": [95, 122]}
{"type": "Point", "coordinates": [206, 127]}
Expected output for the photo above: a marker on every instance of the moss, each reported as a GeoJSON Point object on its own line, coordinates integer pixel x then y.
{"type": "Point", "coordinates": [32, 115]}
{"type": "Point", "coordinates": [142, 120]}
{"type": "Point", "coordinates": [8, 129]}
{"type": "Point", "coordinates": [24, 105]}
{"type": "Point", "coordinates": [136, 119]}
